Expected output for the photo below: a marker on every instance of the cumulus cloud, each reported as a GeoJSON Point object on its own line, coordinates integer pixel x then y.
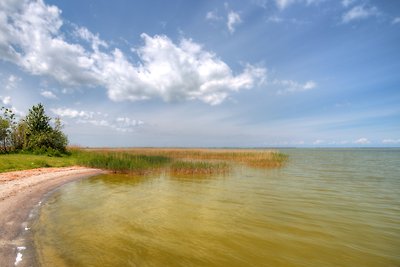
{"type": "Point", "coordinates": [290, 86]}
{"type": "Point", "coordinates": [359, 12]}
{"type": "Point", "coordinates": [362, 141]}
{"type": "Point", "coordinates": [233, 20]}
{"type": "Point", "coordinates": [30, 37]}
{"type": "Point", "coordinates": [48, 94]}
{"type": "Point", "coordinates": [175, 72]}
{"type": "Point", "coordinates": [121, 124]}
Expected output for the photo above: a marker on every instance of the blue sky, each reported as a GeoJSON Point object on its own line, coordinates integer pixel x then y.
{"type": "Point", "coordinates": [207, 73]}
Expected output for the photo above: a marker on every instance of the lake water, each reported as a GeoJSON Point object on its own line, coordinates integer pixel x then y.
{"type": "Point", "coordinates": [326, 207]}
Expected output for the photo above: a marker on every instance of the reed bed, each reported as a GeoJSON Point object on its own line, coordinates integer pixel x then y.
{"type": "Point", "coordinates": [198, 168]}
{"type": "Point", "coordinates": [122, 162]}
{"type": "Point", "coordinates": [251, 157]}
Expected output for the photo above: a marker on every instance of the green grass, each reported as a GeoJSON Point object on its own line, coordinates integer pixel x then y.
{"type": "Point", "coordinates": [121, 162]}
{"type": "Point", "coordinates": [15, 162]}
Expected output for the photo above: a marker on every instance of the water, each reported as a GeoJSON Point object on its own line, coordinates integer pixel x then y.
{"type": "Point", "coordinates": [325, 208]}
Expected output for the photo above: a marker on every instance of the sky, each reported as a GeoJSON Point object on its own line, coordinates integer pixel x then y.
{"type": "Point", "coordinates": [206, 73]}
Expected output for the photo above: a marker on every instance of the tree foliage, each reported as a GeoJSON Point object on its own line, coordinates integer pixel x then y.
{"type": "Point", "coordinates": [7, 121]}
{"type": "Point", "coordinates": [33, 133]}
{"type": "Point", "coordinates": [37, 120]}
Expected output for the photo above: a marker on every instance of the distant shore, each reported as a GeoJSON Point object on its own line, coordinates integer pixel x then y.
{"type": "Point", "coordinates": [20, 192]}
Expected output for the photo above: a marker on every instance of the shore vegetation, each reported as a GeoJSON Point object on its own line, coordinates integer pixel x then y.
{"type": "Point", "coordinates": [37, 140]}
{"type": "Point", "coordinates": [141, 161]}
{"type": "Point", "coordinates": [35, 133]}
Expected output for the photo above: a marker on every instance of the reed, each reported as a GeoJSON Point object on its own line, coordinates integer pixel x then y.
{"type": "Point", "coordinates": [121, 162]}
{"type": "Point", "coordinates": [198, 167]}
{"type": "Point", "coordinates": [252, 157]}
{"type": "Point", "coordinates": [143, 160]}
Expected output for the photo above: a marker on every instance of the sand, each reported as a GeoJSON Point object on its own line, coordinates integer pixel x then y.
{"type": "Point", "coordinates": [20, 192]}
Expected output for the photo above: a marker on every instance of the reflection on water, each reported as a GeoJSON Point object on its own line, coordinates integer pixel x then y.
{"type": "Point", "coordinates": [325, 208]}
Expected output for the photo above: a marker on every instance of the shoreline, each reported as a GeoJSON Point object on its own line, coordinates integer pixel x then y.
{"type": "Point", "coordinates": [20, 193]}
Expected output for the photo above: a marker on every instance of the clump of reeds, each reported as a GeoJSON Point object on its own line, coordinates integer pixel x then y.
{"type": "Point", "coordinates": [251, 157]}
{"type": "Point", "coordinates": [122, 162]}
{"type": "Point", "coordinates": [198, 167]}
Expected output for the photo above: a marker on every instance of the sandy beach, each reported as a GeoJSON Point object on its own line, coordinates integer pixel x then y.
{"type": "Point", "coordinates": [20, 192]}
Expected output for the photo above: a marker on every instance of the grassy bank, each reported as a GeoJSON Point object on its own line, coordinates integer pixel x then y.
{"type": "Point", "coordinates": [184, 161]}
{"type": "Point", "coordinates": [15, 162]}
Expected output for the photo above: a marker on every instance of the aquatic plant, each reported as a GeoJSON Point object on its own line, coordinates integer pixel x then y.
{"type": "Point", "coordinates": [252, 157]}
{"type": "Point", "coordinates": [121, 162]}
{"type": "Point", "coordinates": [198, 167]}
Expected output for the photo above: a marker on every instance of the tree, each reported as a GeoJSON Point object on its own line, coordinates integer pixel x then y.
{"type": "Point", "coordinates": [40, 135]}
{"type": "Point", "coordinates": [4, 125]}
{"type": "Point", "coordinates": [37, 121]}
{"type": "Point", "coordinates": [19, 135]}
{"type": "Point", "coordinates": [7, 121]}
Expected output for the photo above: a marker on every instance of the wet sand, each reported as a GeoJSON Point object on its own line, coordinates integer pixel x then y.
{"type": "Point", "coordinates": [20, 192]}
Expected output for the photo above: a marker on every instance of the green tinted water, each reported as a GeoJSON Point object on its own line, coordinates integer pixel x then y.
{"type": "Point", "coordinates": [325, 208]}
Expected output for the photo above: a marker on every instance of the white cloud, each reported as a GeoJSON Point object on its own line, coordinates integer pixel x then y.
{"type": "Point", "coordinates": [289, 86]}
{"type": "Point", "coordinates": [233, 20]}
{"type": "Point", "coordinates": [396, 20]}
{"type": "Point", "coordinates": [91, 38]}
{"type": "Point", "coordinates": [391, 141]}
{"type": "Point", "coordinates": [48, 94]}
{"type": "Point", "coordinates": [359, 12]}
{"type": "Point", "coordinates": [347, 3]}
{"type": "Point", "coordinates": [175, 72]}
{"type": "Point", "coordinates": [5, 99]}
{"type": "Point", "coordinates": [282, 4]}
{"type": "Point", "coordinates": [30, 37]}
{"type": "Point", "coordinates": [213, 16]}
{"type": "Point", "coordinates": [362, 141]}
{"type": "Point", "coordinates": [72, 113]}
{"type": "Point", "coordinates": [121, 124]}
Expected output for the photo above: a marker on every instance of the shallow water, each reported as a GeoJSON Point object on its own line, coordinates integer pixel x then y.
{"type": "Point", "coordinates": [325, 208]}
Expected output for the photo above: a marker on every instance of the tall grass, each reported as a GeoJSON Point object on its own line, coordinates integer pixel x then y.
{"type": "Point", "coordinates": [198, 167]}
{"type": "Point", "coordinates": [143, 160]}
{"type": "Point", "coordinates": [121, 162]}
{"type": "Point", "coordinates": [251, 157]}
